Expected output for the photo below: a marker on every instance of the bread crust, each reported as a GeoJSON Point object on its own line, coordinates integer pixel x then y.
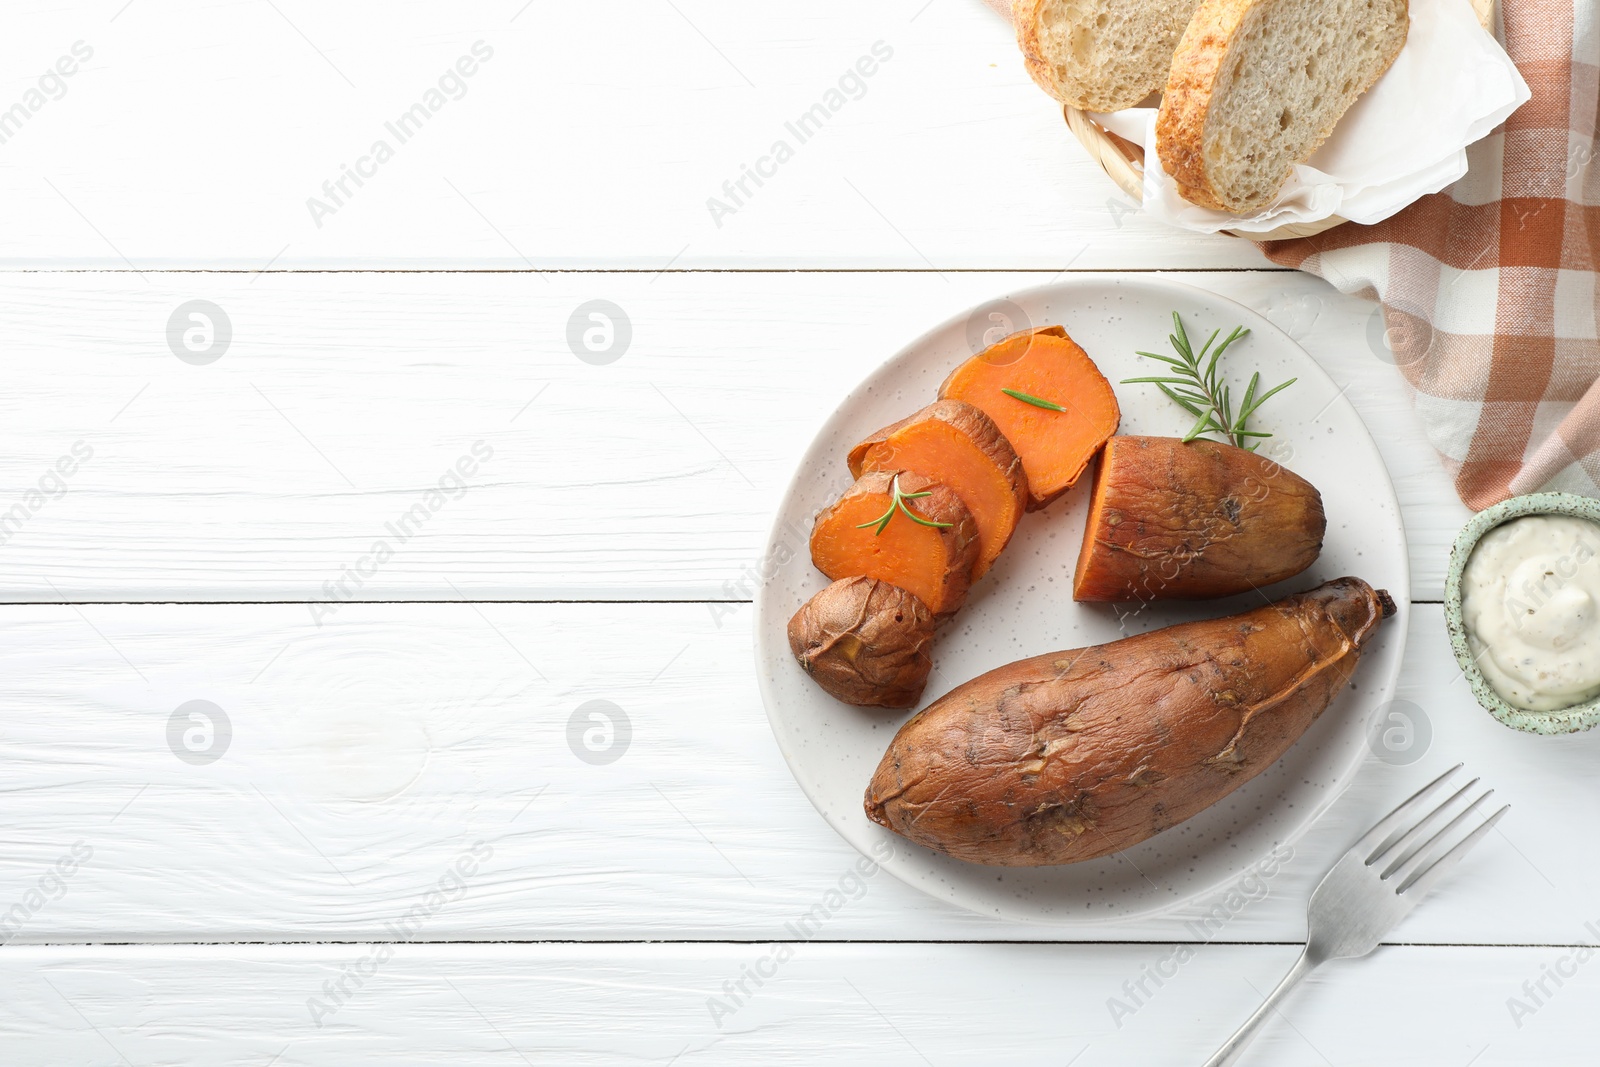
{"type": "Point", "coordinates": [1196, 68]}
{"type": "Point", "coordinates": [1027, 17]}
{"type": "Point", "coordinates": [1198, 64]}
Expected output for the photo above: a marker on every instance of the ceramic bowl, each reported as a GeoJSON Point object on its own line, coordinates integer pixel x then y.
{"type": "Point", "coordinates": [1563, 720]}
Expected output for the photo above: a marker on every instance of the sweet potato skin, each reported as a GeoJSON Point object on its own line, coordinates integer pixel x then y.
{"type": "Point", "coordinates": [1091, 404]}
{"type": "Point", "coordinates": [958, 413]}
{"type": "Point", "coordinates": [865, 642]}
{"type": "Point", "coordinates": [959, 538]}
{"type": "Point", "coordinates": [1077, 754]}
{"type": "Point", "coordinates": [880, 452]}
{"type": "Point", "coordinates": [1175, 521]}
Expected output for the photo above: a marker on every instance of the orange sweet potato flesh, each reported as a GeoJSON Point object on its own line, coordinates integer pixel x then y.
{"type": "Point", "coordinates": [1055, 446]}
{"type": "Point", "coordinates": [1176, 521]}
{"type": "Point", "coordinates": [934, 565]}
{"type": "Point", "coordinates": [955, 443]}
{"type": "Point", "coordinates": [1077, 754]}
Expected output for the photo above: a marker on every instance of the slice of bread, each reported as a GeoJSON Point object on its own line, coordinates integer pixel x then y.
{"type": "Point", "coordinates": [1099, 55]}
{"type": "Point", "coordinates": [1257, 85]}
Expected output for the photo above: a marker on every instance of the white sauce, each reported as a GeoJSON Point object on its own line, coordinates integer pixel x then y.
{"type": "Point", "coordinates": [1530, 599]}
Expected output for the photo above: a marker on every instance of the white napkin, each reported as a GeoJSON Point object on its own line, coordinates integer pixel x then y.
{"type": "Point", "coordinates": [1404, 138]}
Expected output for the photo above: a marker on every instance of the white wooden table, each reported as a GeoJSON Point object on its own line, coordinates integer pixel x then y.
{"type": "Point", "coordinates": [389, 848]}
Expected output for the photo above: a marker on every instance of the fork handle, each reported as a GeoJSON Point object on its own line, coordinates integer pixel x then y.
{"type": "Point", "coordinates": [1234, 1048]}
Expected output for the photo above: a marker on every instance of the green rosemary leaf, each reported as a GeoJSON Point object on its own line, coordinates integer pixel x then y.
{"type": "Point", "coordinates": [897, 502]}
{"type": "Point", "coordinates": [1211, 368]}
{"type": "Point", "coordinates": [1029, 398]}
{"type": "Point", "coordinates": [1199, 427]}
{"type": "Point", "coordinates": [1180, 401]}
{"type": "Point", "coordinates": [1195, 384]}
{"type": "Point", "coordinates": [914, 517]}
{"type": "Point", "coordinates": [1267, 395]}
{"type": "Point", "coordinates": [1177, 327]}
{"type": "Point", "coordinates": [880, 522]}
{"type": "Point", "coordinates": [1180, 364]}
{"type": "Point", "coordinates": [1249, 395]}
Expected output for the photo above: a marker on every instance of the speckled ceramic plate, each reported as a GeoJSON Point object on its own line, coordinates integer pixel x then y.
{"type": "Point", "coordinates": [1024, 606]}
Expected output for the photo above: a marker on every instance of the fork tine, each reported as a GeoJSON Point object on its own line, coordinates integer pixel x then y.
{"type": "Point", "coordinates": [1423, 881]}
{"type": "Point", "coordinates": [1399, 840]}
{"type": "Point", "coordinates": [1389, 821]}
{"type": "Point", "coordinates": [1413, 857]}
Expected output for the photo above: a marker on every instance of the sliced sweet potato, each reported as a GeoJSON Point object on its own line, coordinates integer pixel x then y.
{"type": "Point", "coordinates": [1068, 413]}
{"type": "Point", "coordinates": [1073, 755]}
{"type": "Point", "coordinates": [866, 642]}
{"type": "Point", "coordinates": [955, 443]}
{"type": "Point", "coordinates": [870, 531]}
{"type": "Point", "coordinates": [1176, 521]}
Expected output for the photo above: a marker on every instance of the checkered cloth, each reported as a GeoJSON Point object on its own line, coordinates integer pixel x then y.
{"type": "Point", "coordinates": [1491, 289]}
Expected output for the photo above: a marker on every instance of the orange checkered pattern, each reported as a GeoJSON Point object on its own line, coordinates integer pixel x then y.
{"type": "Point", "coordinates": [1490, 289]}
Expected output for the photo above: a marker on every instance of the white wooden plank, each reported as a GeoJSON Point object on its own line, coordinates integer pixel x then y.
{"type": "Point", "coordinates": [365, 757]}
{"type": "Point", "coordinates": [342, 400]}
{"type": "Point", "coordinates": [196, 134]}
{"type": "Point", "coordinates": [889, 1004]}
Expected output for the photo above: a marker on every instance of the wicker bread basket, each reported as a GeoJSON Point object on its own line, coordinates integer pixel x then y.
{"type": "Point", "coordinates": [1123, 160]}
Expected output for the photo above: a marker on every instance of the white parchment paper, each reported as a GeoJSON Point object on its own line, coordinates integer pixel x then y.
{"type": "Point", "coordinates": [1404, 138]}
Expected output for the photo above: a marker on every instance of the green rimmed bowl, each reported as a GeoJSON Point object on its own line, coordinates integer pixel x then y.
{"type": "Point", "coordinates": [1563, 720]}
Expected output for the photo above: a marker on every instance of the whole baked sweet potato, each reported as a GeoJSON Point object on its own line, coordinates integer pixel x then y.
{"type": "Point", "coordinates": [865, 642]}
{"type": "Point", "coordinates": [1170, 520]}
{"type": "Point", "coordinates": [1077, 754]}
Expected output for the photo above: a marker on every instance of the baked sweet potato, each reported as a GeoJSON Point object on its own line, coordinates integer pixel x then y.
{"type": "Point", "coordinates": [902, 528]}
{"type": "Point", "coordinates": [955, 443]}
{"type": "Point", "coordinates": [1077, 754]}
{"type": "Point", "coordinates": [1176, 521]}
{"type": "Point", "coordinates": [1049, 400]}
{"type": "Point", "coordinates": [866, 642]}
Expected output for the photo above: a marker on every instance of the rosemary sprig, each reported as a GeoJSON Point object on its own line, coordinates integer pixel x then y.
{"type": "Point", "coordinates": [897, 502]}
{"type": "Point", "coordinates": [1194, 385]}
{"type": "Point", "coordinates": [1036, 401]}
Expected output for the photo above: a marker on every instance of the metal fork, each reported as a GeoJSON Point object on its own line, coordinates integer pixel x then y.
{"type": "Point", "coordinates": [1370, 889]}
